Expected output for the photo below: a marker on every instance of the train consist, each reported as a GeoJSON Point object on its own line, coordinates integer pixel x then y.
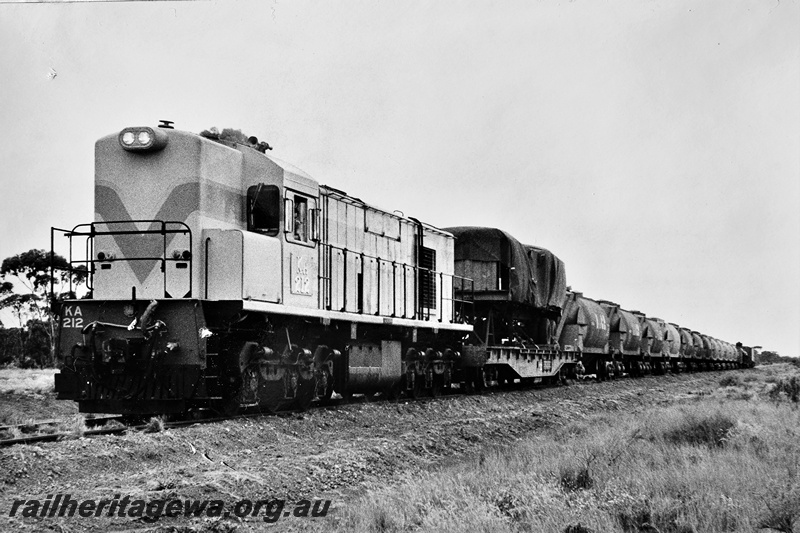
{"type": "Point", "coordinates": [224, 278]}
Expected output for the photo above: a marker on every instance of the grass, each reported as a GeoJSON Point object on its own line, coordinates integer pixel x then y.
{"type": "Point", "coordinates": [731, 380]}
{"type": "Point", "coordinates": [722, 463]}
{"type": "Point", "coordinates": [154, 425]}
{"type": "Point", "coordinates": [705, 427]}
{"type": "Point", "coordinates": [788, 388]}
{"type": "Point", "coordinates": [22, 381]}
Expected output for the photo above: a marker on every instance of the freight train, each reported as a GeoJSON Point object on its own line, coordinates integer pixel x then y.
{"type": "Point", "coordinates": [222, 278]}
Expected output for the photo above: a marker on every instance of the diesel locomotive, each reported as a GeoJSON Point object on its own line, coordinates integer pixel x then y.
{"type": "Point", "coordinates": [222, 278]}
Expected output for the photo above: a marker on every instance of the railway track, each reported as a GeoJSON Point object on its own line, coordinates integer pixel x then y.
{"type": "Point", "coordinates": [48, 430]}
{"type": "Point", "coordinates": [45, 430]}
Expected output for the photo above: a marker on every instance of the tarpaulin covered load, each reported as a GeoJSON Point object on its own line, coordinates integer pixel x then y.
{"type": "Point", "coordinates": [626, 333]}
{"type": "Point", "coordinates": [586, 325]}
{"type": "Point", "coordinates": [653, 336]}
{"type": "Point", "coordinates": [549, 277]}
{"type": "Point", "coordinates": [687, 342]}
{"type": "Point", "coordinates": [672, 340]}
{"type": "Point", "coordinates": [497, 262]}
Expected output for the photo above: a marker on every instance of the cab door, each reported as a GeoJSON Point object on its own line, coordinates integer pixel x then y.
{"type": "Point", "coordinates": [301, 264]}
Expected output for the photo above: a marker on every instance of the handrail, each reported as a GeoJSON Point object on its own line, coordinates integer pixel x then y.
{"type": "Point", "coordinates": [458, 312]}
{"type": "Point", "coordinates": [90, 231]}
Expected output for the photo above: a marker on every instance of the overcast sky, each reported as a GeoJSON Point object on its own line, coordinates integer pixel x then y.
{"type": "Point", "coordinates": [653, 145]}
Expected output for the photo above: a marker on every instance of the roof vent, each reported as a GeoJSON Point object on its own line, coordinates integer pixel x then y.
{"type": "Point", "coordinates": [166, 124]}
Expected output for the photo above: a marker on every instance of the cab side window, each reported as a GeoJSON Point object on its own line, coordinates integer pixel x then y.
{"type": "Point", "coordinates": [263, 209]}
{"type": "Point", "coordinates": [300, 218]}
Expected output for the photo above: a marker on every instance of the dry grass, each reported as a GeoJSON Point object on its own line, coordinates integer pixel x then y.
{"type": "Point", "coordinates": [731, 380]}
{"type": "Point", "coordinates": [786, 388]}
{"type": "Point", "coordinates": [713, 465]}
{"type": "Point", "coordinates": [19, 380]}
{"type": "Point", "coordinates": [154, 425]}
{"type": "Point", "coordinates": [75, 426]}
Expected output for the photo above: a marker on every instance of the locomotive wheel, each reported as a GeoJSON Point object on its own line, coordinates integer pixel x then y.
{"type": "Point", "coordinates": [306, 391]}
{"type": "Point", "coordinates": [248, 393]}
{"type": "Point", "coordinates": [134, 420]}
{"type": "Point", "coordinates": [392, 392]}
{"type": "Point", "coordinates": [326, 396]}
{"type": "Point", "coordinates": [304, 400]}
{"type": "Point", "coordinates": [418, 388]}
{"type": "Point", "coordinates": [226, 407]}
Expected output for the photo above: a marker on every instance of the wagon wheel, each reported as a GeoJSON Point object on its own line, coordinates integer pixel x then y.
{"type": "Point", "coordinates": [436, 387]}
{"type": "Point", "coordinates": [417, 387]}
{"type": "Point", "coordinates": [469, 385]}
{"type": "Point", "coordinates": [480, 381]}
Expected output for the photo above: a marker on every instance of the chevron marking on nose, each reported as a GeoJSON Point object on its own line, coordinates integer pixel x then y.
{"type": "Point", "coordinates": [178, 206]}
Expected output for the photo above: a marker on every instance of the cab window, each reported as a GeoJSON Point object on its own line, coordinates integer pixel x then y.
{"type": "Point", "coordinates": [263, 209]}
{"type": "Point", "coordinates": [300, 219]}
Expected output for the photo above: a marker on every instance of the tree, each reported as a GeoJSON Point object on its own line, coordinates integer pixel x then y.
{"type": "Point", "coordinates": [10, 345]}
{"type": "Point", "coordinates": [37, 271]}
{"type": "Point", "coordinates": [768, 357]}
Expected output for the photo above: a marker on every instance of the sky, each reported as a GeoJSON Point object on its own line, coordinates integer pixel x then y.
{"type": "Point", "coordinates": [654, 146]}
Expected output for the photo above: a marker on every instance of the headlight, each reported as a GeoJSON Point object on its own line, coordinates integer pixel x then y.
{"type": "Point", "coordinates": [142, 139]}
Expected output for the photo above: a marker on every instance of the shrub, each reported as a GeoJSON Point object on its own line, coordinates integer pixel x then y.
{"type": "Point", "coordinates": [710, 429]}
{"type": "Point", "coordinates": [789, 387]}
{"type": "Point", "coordinates": [155, 425]}
{"type": "Point", "coordinates": [730, 381]}
{"type": "Point", "coordinates": [574, 478]}
{"type": "Point", "coordinates": [634, 518]}
{"type": "Point", "coordinates": [577, 528]}
{"type": "Point", "coordinates": [783, 509]}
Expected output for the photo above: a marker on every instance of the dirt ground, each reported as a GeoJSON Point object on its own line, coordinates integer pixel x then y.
{"type": "Point", "coordinates": [331, 453]}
